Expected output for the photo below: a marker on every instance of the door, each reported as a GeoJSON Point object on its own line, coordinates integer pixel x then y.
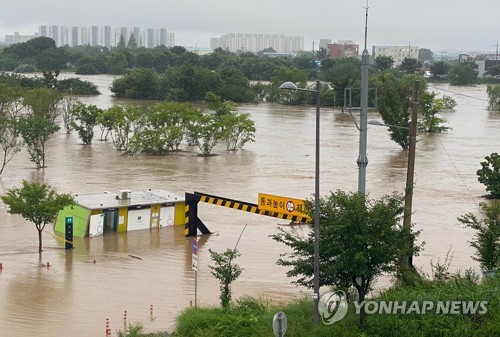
{"type": "Point", "coordinates": [96, 225]}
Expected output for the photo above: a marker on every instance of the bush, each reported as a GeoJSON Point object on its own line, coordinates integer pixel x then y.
{"type": "Point", "coordinates": [487, 238]}
{"type": "Point", "coordinates": [25, 68]}
{"type": "Point", "coordinates": [489, 174]}
{"type": "Point", "coordinates": [77, 87]}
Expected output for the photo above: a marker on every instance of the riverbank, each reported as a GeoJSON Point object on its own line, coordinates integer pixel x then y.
{"type": "Point", "coordinates": [418, 313]}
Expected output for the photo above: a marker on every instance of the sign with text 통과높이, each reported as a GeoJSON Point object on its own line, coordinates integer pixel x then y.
{"type": "Point", "coordinates": [285, 205]}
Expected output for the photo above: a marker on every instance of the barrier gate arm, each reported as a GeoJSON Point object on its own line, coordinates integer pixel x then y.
{"type": "Point", "coordinates": [193, 223]}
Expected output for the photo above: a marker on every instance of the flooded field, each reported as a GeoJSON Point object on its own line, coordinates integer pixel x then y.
{"type": "Point", "coordinates": [75, 295]}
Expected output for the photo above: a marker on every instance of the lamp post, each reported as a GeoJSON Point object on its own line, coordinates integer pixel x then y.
{"type": "Point", "coordinates": [317, 91]}
{"type": "Point", "coordinates": [407, 260]}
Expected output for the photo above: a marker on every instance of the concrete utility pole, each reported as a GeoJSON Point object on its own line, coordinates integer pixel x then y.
{"type": "Point", "coordinates": [407, 261]}
{"type": "Point", "coordinates": [363, 119]}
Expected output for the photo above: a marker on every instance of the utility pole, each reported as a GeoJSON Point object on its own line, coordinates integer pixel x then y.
{"type": "Point", "coordinates": [363, 118]}
{"type": "Point", "coordinates": [407, 261]}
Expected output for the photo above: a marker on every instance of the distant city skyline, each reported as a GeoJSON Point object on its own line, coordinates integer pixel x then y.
{"type": "Point", "coordinates": [204, 40]}
{"type": "Point", "coordinates": [438, 25]}
{"type": "Point", "coordinates": [106, 36]}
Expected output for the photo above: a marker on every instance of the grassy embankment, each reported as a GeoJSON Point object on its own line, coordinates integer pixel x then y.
{"type": "Point", "coordinates": [252, 317]}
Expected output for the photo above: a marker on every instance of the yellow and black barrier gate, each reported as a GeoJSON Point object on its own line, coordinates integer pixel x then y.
{"type": "Point", "coordinates": [193, 223]}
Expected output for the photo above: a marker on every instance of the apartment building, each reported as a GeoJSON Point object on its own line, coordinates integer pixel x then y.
{"type": "Point", "coordinates": [343, 48]}
{"type": "Point", "coordinates": [257, 42]}
{"type": "Point", "coordinates": [106, 36]}
{"type": "Point", "coordinates": [398, 53]}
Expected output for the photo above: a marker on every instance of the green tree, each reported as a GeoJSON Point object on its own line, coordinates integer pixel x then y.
{"type": "Point", "coordinates": [486, 241]}
{"type": "Point", "coordinates": [238, 129]}
{"type": "Point", "coordinates": [425, 56]}
{"type": "Point", "coordinates": [42, 102]}
{"type": "Point", "coordinates": [35, 131]}
{"type": "Point", "coordinates": [84, 120]}
{"type": "Point", "coordinates": [164, 130]}
{"type": "Point", "coordinates": [116, 62]}
{"type": "Point", "coordinates": [67, 104]}
{"type": "Point", "coordinates": [394, 103]}
{"type": "Point", "coordinates": [410, 65]}
{"type": "Point", "coordinates": [139, 83]}
{"type": "Point", "coordinates": [121, 42]}
{"type": "Point", "coordinates": [489, 174]}
{"type": "Point", "coordinates": [132, 43]}
{"type": "Point", "coordinates": [39, 123]}
{"type": "Point", "coordinates": [430, 107]}
{"type": "Point", "coordinates": [284, 74]}
{"type": "Point", "coordinates": [36, 202]}
{"type": "Point", "coordinates": [383, 62]}
{"type": "Point", "coordinates": [493, 92]}
{"type": "Point", "coordinates": [118, 121]}
{"type": "Point", "coordinates": [439, 69]}
{"type": "Point", "coordinates": [341, 73]}
{"type": "Point", "coordinates": [463, 73]}
{"type": "Point", "coordinates": [226, 271]}
{"type": "Point", "coordinates": [322, 53]}
{"type": "Point", "coordinates": [10, 110]}
{"type": "Point", "coordinates": [360, 239]}
{"type": "Point", "coordinates": [205, 132]}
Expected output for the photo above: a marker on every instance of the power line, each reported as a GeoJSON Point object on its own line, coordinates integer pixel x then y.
{"type": "Point", "coordinates": [460, 94]}
{"type": "Point", "coordinates": [458, 172]}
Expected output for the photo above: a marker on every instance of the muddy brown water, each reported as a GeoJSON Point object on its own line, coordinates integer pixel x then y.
{"type": "Point", "coordinates": [75, 296]}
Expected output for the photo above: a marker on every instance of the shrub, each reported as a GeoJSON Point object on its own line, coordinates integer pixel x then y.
{"type": "Point", "coordinates": [489, 174]}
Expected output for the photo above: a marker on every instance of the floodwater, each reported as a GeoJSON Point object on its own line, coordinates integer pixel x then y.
{"type": "Point", "coordinates": [75, 295]}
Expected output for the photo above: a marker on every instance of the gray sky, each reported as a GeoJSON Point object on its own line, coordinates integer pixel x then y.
{"type": "Point", "coordinates": [435, 24]}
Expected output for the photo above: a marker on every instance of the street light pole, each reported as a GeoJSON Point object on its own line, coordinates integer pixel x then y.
{"type": "Point", "coordinates": [292, 86]}
{"type": "Point", "coordinates": [363, 117]}
{"type": "Point", "coordinates": [407, 260]}
{"type": "Point", "coordinates": [316, 212]}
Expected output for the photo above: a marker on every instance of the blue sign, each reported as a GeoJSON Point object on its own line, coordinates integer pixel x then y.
{"type": "Point", "coordinates": [195, 246]}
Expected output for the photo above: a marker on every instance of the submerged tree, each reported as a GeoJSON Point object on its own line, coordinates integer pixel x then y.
{"type": "Point", "coordinates": [84, 120]}
{"type": "Point", "coordinates": [489, 174]}
{"type": "Point", "coordinates": [226, 271]}
{"type": "Point", "coordinates": [486, 241]}
{"type": "Point", "coordinates": [36, 131]}
{"type": "Point", "coordinates": [67, 104]}
{"type": "Point", "coordinates": [393, 103]}
{"type": "Point", "coordinates": [10, 110]}
{"type": "Point", "coordinates": [118, 121]}
{"type": "Point", "coordinates": [493, 92]}
{"type": "Point", "coordinates": [430, 107]}
{"type": "Point", "coordinates": [163, 130]}
{"type": "Point", "coordinates": [39, 123]}
{"type": "Point", "coordinates": [205, 132]}
{"type": "Point", "coordinates": [36, 202]}
{"type": "Point", "coordinates": [360, 239]}
{"type": "Point", "coordinates": [236, 129]}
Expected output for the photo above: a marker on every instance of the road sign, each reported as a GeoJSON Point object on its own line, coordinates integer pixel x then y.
{"type": "Point", "coordinates": [68, 229]}
{"type": "Point", "coordinates": [285, 205]}
{"type": "Point", "coordinates": [280, 324]}
{"type": "Point", "coordinates": [194, 262]}
{"type": "Point", "coordinates": [195, 246]}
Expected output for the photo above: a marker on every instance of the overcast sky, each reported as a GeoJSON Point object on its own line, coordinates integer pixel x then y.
{"type": "Point", "coordinates": [435, 24]}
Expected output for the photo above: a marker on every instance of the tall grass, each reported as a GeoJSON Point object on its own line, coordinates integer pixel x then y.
{"type": "Point", "coordinates": [253, 317]}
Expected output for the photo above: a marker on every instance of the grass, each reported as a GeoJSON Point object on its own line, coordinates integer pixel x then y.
{"type": "Point", "coordinates": [253, 317]}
